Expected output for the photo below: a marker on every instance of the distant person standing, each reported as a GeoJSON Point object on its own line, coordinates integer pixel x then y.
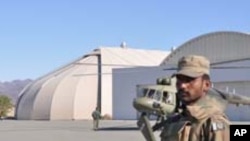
{"type": "Point", "coordinates": [96, 115]}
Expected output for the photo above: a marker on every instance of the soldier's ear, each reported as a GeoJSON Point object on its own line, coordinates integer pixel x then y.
{"type": "Point", "coordinates": [206, 85]}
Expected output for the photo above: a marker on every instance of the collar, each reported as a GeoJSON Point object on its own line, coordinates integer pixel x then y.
{"type": "Point", "coordinates": [205, 107]}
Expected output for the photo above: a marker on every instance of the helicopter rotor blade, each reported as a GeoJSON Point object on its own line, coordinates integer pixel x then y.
{"type": "Point", "coordinates": [231, 67]}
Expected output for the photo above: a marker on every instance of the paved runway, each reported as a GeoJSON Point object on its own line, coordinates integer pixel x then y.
{"type": "Point", "coordinates": [25, 130]}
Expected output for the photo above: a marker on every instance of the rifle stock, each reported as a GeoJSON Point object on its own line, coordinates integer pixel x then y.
{"type": "Point", "coordinates": [145, 127]}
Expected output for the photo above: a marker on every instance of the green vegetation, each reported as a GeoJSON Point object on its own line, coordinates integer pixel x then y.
{"type": "Point", "coordinates": [5, 105]}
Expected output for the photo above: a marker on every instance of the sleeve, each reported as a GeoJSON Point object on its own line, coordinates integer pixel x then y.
{"type": "Point", "coordinates": [93, 114]}
{"type": "Point", "coordinates": [217, 129]}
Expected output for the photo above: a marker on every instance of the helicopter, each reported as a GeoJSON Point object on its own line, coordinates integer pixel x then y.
{"type": "Point", "coordinates": [160, 100]}
{"type": "Point", "coordinates": [157, 99]}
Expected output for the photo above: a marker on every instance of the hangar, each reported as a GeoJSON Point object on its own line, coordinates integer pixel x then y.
{"type": "Point", "coordinates": [225, 49]}
{"type": "Point", "coordinates": [73, 91]}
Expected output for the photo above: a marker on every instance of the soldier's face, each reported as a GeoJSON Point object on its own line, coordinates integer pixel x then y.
{"type": "Point", "coordinates": [191, 89]}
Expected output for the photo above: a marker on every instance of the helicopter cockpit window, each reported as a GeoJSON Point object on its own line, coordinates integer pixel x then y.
{"type": "Point", "coordinates": [157, 95]}
{"type": "Point", "coordinates": [166, 97]}
{"type": "Point", "coordinates": [151, 93]}
{"type": "Point", "coordinates": [144, 92]}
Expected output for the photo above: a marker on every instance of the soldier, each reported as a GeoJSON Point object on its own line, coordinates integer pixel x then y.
{"type": "Point", "coordinates": [96, 115]}
{"type": "Point", "coordinates": [202, 118]}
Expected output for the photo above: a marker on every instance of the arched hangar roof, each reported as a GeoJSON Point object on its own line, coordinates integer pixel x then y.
{"type": "Point", "coordinates": [71, 92]}
{"type": "Point", "coordinates": [219, 47]}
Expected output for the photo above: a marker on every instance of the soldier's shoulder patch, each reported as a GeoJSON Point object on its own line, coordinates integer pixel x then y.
{"type": "Point", "coordinates": [217, 125]}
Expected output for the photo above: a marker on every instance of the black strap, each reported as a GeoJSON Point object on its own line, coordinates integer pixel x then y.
{"type": "Point", "coordinates": [207, 129]}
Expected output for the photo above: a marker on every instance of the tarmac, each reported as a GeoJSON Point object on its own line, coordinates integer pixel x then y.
{"type": "Point", "coordinates": [81, 130]}
{"type": "Point", "coordinates": [32, 130]}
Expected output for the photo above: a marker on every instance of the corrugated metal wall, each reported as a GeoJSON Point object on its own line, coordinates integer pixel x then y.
{"type": "Point", "coordinates": [217, 46]}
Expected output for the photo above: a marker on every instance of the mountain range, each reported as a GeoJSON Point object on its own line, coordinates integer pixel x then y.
{"type": "Point", "coordinates": [13, 88]}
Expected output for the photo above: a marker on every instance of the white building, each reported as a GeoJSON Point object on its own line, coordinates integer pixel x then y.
{"type": "Point", "coordinates": [73, 91]}
{"type": "Point", "coordinates": [228, 50]}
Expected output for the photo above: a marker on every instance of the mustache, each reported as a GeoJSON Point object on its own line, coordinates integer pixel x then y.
{"type": "Point", "coordinates": [181, 91]}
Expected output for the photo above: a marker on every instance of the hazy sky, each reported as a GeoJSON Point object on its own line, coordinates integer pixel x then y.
{"type": "Point", "coordinates": [37, 37]}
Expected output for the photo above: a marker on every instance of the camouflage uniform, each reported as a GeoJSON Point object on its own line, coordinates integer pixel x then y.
{"type": "Point", "coordinates": [96, 115]}
{"type": "Point", "coordinates": [203, 120]}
